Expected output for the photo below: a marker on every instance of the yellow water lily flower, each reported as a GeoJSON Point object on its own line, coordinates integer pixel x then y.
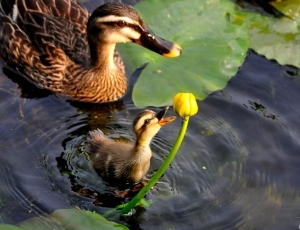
{"type": "Point", "coordinates": [185, 104]}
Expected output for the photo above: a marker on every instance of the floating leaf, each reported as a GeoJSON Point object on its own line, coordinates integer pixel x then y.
{"type": "Point", "coordinates": [9, 227]}
{"type": "Point", "coordinates": [213, 50]}
{"type": "Point", "coordinates": [277, 38]}
{"type": "Point", "coordinates": [71, 219]}
{"type": "Point", "coordinates": [290, 8]}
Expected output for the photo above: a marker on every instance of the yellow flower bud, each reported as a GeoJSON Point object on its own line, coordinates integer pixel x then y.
{"type": "Point", "coordinates": [185, 104]}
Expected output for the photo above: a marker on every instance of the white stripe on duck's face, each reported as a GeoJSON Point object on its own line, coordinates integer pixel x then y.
{"type": "Point", "coordinates": [114, 18]}
{"type": "Point", "coordinates": [146, 128]}
{"type": "Point", "coordinates": [122, 35]}
{"type": "Point", "coordinates": [145, 121]}
{"type": "Point", "coordinates": [119, 34]}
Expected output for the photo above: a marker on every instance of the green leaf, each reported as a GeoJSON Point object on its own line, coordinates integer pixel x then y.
{"type": "Point", "coordinates": [213, 49]}
{"type": "Point", "coordinates": [290, 8]}
{"type": "Point", "coordinates": [9, 227]}
{"type": "Point", "coordinates": [82, 219]}
{"type": "Point", "coordinates": [72, 219]}
{"type": "Point", "coordinates": [275, 38]}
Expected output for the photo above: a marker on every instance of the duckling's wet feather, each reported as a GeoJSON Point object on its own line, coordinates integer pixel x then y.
{"type": "Point", "coordinates": [128, 162]}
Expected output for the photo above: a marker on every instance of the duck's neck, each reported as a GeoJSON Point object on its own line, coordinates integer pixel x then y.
{"type": "Point", "coordinates": [104, 80]}
{"type": "Point", "coordinates": [142, 146]}
{"type": "Point", "coordinates": [102, 56]}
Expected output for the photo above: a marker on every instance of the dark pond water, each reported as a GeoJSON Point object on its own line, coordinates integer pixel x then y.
{"type": "Point", "coordinates": [238, 167]}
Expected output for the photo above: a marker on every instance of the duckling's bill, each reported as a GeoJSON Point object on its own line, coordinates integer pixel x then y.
{"type": "Point", "coordinates": [162, 120]}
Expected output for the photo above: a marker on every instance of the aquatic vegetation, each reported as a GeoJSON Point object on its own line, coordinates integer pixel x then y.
{"type": "Point", "coordinates": [215, 37]}
{"type": "Point", "coordinates": [232, 169]}
{"type": "Point", "coordinates": [276, 38]}
{"type": "Point", "coordinates": [67, 219]}
{"type": "Point", "coordinates": [186, 106]}
{"type": "Point", "coordinates": [213, 49]}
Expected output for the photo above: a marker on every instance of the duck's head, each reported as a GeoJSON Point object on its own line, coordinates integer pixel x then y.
{"type": "Point", "coordinates": [114, 23]}
{"type": "Point", "coordinates": [147, 123]}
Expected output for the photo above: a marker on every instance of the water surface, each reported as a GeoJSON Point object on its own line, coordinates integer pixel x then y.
{"type": "Point", "coordinates": [238, 167]}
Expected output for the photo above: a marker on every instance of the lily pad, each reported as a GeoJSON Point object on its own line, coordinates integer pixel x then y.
{"type": "Point", "coordinates": [277, 38]}
{"type": "Point", "coordinates": [290, 8]}
{"type": "Point", "coordinates": [9, 227]}
{"type": "Point", "coordinates": [213, 50]}
{"type": "Point", "coordinates": [71, 219]}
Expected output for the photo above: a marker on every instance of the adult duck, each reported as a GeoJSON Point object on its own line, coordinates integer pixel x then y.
{"type": "Point", "coordinates": [59, 46]}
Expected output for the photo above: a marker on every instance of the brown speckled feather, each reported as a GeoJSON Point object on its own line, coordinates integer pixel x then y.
{"type": "Point", "coordinates": [47, 43]}
{"type": "Point", "coordinates": [59, 46]}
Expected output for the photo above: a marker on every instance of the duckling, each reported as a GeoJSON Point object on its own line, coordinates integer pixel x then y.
{"type": "Point", "coordinates": [46, 41]}
{"type": "Point", "coordinates": [127, 162]}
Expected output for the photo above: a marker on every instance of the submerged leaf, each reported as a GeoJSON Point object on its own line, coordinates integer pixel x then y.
{"type": "Point", "coordinates": [275, 38]}
{"type": "Point", "coordinates": [9, 227]}
{"type": "Point", "coordinates": [71, 219]}
{"type": "Point", "coordinates": [290, 8]}
{"type": "Point", "coordinates": [82, 219]}
{"type": "Point", "coordinates": [213, 49]}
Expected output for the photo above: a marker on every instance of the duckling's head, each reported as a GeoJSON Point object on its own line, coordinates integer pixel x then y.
{"type": "Point", "coordinates": [114, 23]}
{"type": "Point", "coordinates": [147, 123]}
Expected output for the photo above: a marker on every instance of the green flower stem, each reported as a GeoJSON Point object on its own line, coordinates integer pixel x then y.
{"type": "Point", "coordinates": [114, 214]}
{"type": "Point", "coordinates": [130, 205]}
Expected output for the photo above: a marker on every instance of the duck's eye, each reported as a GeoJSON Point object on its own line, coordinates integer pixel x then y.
{"type": "Point", "coordinates": [121, 23]}
{"type": "Point", "coordinates": [147, 121]}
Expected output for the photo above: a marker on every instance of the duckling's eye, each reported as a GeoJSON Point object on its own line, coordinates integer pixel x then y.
{"type": "Point", "coordinates": [121, 23]}
{"type": "Point", "coordinates": [147, 121]}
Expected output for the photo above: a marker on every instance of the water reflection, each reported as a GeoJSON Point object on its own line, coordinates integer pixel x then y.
{"type": "Point", "coordinates": [261, 110]}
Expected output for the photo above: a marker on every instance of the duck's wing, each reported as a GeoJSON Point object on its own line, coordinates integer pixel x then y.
{"type": "Point", "coordinates": [47, 68]}
{"type": "Point", "coordinates": [97, 141]}
{"type": "Point", "coordinates": [69, 10]}
{"type": "Point", "coordinates": [45, 48]}
{"type": "Point", "coordinates": [96, 133]}
{"type": "Point", "coordinates": [40, 27]}
{"type": "Point", "coordinates": [61, 23]}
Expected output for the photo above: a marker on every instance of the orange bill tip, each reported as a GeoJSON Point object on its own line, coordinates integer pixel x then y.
{"type": "Point", "coordinates": [174, 52]}
{"type": "Point", "coordinates": [167, 120]}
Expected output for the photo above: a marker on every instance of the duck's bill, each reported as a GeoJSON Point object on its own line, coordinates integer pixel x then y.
{"type": "Point", "coordinates": [150, 41]}
{"type": "Point", "coordinates": [166, 120]}
{"type": "Point", "coordinates": [162, 120]}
